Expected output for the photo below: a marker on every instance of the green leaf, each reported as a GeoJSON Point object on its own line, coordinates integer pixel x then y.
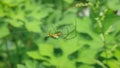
{"type": "Point", "coordinates": [17, 18]}
{"type": "Point", "coordinates": [30, 64]}
{"type": "Point", "coordinates": [14, 2]}
{"type": "Point", "coordinates": [116, 27]}
{"type": "Point", "coordinates": [107, 54]}
{"type": "Point", "coordinates": [69, 18]}
{"type": "Point", "coordinates": [62, 62]}
{"type": "Point", "coordinates": [69, 46]}
{"type": "Point", "coordinates": [20, 66]}
{"type": "Point", "coordinates": [85, 66]}
{"type": "Point", "coordinates": [69, 1]}
{"type": "Point", "coordinates": [113, 64]}
{"type": "Point", "coordinates": [3, 31]}
{"type": "Point", "coordinates": [88, 38]}
{"type": "Point", "coordinates": [33, 26]}
{"type": "Point", "coordinates": [87, 56]}
{"type": "Point", "coordinates": [117, 54]}
{"type": "Point", "coordinates": [114, 4]}
{"type": "Point", "coordinates": [16, 23]}
{"type": "Point", "coordinates": [35, 55]}
{"type": "Point", "coordinates": [46, 49]}
{"type": "Point", "coordinates": [109, 21]}
{"type": "Point", "coordinates": [84, 25]}
{"type": "Point", "coordinates": [2, 13]}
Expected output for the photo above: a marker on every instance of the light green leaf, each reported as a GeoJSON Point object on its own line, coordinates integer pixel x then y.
{"type": "Point", "coordinates": [109, 21]}
{"type": "Point", "coordinates": [3, 31]}
{"type": "Point", "coordinates": [46, 49]}
{"type": "Point", "coordinates": [69, 18]}
{"type": "Point", "coordinates": [69, 46]}
{"type": "Point", "coordinates": [14, 2]}
{"type": "Point", "coordinates": [33, 26]}
{"type": "Point", "coordinates": [90, 39]}
{"type": "Point", "coordinates": [2, 13]}
{"type": "Point", "coordinates": [114, 4]}
{"type": "Point", "coordinates": [16, 23]}
{"type": "Point", "coordinates": [86, 34]}
{"type": "Point", "coordinates": [113, 64]}
{"type": "Point", "coordinates": [116, 27]}
{"type": "Point", "coordinates": [117, 54]}
{"type": "Point", "coordinates": [30, 64]}
{"type": "Point", "coordinates": [44, 13]}
{"type": "Point", "coordinates": [107, 54]}
{"type": "Point", "coordinates": [85, 66]}
{"type": "Point", "coordinates": [69, 1]}
{"type": "Point", "coordinates": [87, 56]}
{"type": "Point", "coordinates": [62, 61]}
{"type": "Point", "coordinates": [40, 12]}
{"type": "Point", "coordinates": [84, 25]}
{"type": "Point", "coordinates": [20, 66]}
{"type": "Point", "coordinates": [34, 55]}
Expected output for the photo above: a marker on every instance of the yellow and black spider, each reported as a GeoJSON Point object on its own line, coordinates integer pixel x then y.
{"type": "Point", "coordinates": [63, 31]}
{"type": "Point", "coordinates": [55, 35]}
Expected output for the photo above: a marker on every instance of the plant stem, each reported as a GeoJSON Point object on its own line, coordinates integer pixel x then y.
{"type": "Point", "coordinates": [17, 51]}
{"type": "Point", "coordinates": [8, 62]}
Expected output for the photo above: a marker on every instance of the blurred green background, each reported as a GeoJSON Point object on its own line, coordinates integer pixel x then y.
{"type": "Point", "coordinates": [90, 34]}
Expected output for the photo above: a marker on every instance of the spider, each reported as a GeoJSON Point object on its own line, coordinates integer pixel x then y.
{"type": "Point", "coordinates": [55, 35]}
{"type": "Point", "coordinates": [63, 31]}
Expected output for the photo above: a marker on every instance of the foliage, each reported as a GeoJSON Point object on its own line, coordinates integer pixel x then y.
{"type": "Point", "coordinates": [90, 34]}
